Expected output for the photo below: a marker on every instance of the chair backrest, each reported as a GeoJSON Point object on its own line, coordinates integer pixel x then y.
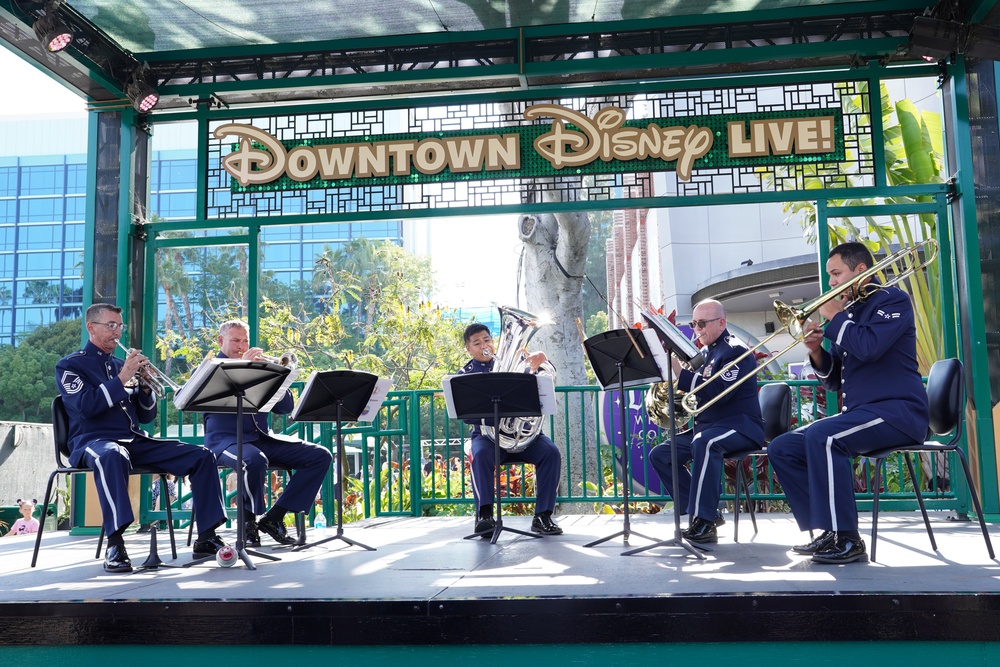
{"type": "Point", "coordinates": [946, 395]}
{"type": "Point", "coordinates": [776, 409]}
{"type": "Point", "coordinates": [60, 430]}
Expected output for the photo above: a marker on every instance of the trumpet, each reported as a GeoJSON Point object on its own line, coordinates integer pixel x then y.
{"type": "Point", "coordinates": [152, 377]}
{"type": "Point", "coordinates": [793, 319]}
{"type": "Point", "coordinates": [287, 359]}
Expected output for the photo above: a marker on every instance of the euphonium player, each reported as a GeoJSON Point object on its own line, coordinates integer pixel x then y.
{"type": "Point", "coordinates": [542, 452]}
{"type": "Point", "coordinates": [733, 424]}
{"type": "Point", "coordinates": [105, 411]}
{"type": "Point", "coordinates": [873, 344]}
{"type": "Point", "coordinates": [261, 448]}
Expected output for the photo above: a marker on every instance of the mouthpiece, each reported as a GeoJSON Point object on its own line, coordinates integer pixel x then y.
{"type": "Point", "coordinates": [487, 352]}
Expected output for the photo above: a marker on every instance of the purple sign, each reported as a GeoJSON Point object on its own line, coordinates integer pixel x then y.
{"type": "Point", "coordinates": [643, 435]}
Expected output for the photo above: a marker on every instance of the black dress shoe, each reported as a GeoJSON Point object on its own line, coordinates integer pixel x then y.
{"type": "Point", "coordinates": [544, 525]}
{"type": "Point", "coordinates": [484, 527]}
{"type": "Point", "coordinates": [842, 550]}
{"type": "Point", "coordinates": [252, 535]}
{"type": "Point", "coordinates": [207, 548]}
{"type": "Point", "coordinates": [719, 519]}
{"type": "Point", "coordinates": [276, 530]}
{"type": "Point", "coordinates": [701, 531]}
{"type": "Point", "coordinates": [116, 559]}
{"type": "Point", "coordinates": [819, 544]}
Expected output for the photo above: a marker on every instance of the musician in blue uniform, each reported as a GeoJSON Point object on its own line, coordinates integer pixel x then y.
{"type": "Point", "coordinates": [733, 424]}
{"type": "Point", "coordinates": [261, 448]}
{"type": "Point", "coordinates": [872, 362]}
{"type": "Point", "coordinates": [106, 408]}
{"type": "Point", "coordinates": [542, 452]}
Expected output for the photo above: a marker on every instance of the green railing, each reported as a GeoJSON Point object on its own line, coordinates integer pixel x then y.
{"type": "Point", "coordinates": [411, 461]}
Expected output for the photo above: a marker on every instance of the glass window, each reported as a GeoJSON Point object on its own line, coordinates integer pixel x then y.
{"type": "Point", "coordinates": [178, 175]}
{"type": "Point", "coordinates": [7, 265]}
{"type": "Point", "coordinates": [7, 238]}
{"type": "Point", "coordinates": [37, 291]}
{"type": "Point", "coordinates": [48, 209]}
{"type": "Point", "coordinates": [76, 208]}
{"type": "Point", "coordinates": [174, 206]}
{"type": "Point", "coordinates": [39, 264]}
{"type": "Point", "coordinates": [8, 181]}
{"type": "Point", "coordinates": [40, 237]}
{"type": "Point", "coordinates": [42, 180]}
{"type": "Point", "coordinates": [29, 319]}
{"type": "Point", "coordinates": [74, 236]}
{"type": "Point", "coordinates": [6, 292]}
{"type": "Point", "coordinates": [73, 264]}
{"type": "Point", "coordinates": [76, 179]}
{"type": "Point", "coordinates": [8, 210]}
{"type": "Point", "coordinates": [281, 256]}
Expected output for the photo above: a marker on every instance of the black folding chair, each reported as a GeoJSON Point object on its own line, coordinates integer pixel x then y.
{"type": "Point", "coordinates": [776, 408]}
{"type": "Point", "coordinates": [946, 400]}
{"type": "Point", "coordinates": [60, 438]}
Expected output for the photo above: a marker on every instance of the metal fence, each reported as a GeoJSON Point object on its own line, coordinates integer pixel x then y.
{"type": "Point", "coordinates": [411, 460]}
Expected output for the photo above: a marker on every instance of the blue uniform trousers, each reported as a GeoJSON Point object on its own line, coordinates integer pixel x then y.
{"type": "Point", "coordinates": [706, 451]}
{"type": "Point", "coordinates": [542, 453]}
{"type": "Point", "coordinates": [814, 465]}
{"type": "Point", "coordinates": [310, 464]}
{"type": "Point", "coordinates": [111, 462]}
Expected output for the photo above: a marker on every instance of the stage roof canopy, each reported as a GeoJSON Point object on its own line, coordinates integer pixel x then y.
{"type": "Point", "coordinates": [252, 52]}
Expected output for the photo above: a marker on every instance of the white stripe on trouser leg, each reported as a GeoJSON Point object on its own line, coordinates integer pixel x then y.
{"type": "Point", "coordinates": [246, 481]}
{"type": "Point", "coordinates": [704, 467]}
{"type": "Point", "coordinates": [98, 468]}
{"type": "Point", "coordinates": [829, 465]}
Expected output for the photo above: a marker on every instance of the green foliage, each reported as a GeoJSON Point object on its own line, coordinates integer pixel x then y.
{"type": "Point", "coordinates": [28, 383]}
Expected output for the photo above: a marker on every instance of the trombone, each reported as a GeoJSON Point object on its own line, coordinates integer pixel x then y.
{"type": "Point", "coordinates": [793, 319]}
{"type": "Point", "coordinates": [153, 377]}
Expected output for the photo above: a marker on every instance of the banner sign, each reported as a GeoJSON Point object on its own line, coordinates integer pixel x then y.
{"type": "Point", "coordinates": [554, 140]}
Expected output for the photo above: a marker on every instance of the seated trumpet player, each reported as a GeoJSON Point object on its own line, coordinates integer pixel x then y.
{"type": "Point", "coordinates": [106, 406]}
{"type": "Point", "coordinates": [873, 343]}
{"type": "Point", "coordinates": [261, 447]}
{"type": "Point", "coordinates": [541, 452]}
{"type": "Point", "coordinates": [731, 425]}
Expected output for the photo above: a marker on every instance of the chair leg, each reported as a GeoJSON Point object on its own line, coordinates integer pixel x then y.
{"type": "Point", "coordinates": [100, 541]}
{"type": "Point", "coordinates": [746, 490]}
{"type": "Point", "coordinates": [736, 505]}
{"type": "Point", "coordinates": [41, 524]}
{"type": "Point", "coordinates": [975, 502]}
{"type": "Point", "coordinates": [191, 526]}
{"type": "Point", "coordinates": [920, 500]}
{"type": "Point", "coordinates": [170, 517]}
{"type": "Point", "coordinates": [875, 496]}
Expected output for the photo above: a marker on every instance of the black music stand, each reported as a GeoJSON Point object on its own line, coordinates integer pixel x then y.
{"type": "Point", "coordinates": [240, 386]}
{"type": "Point", "coordinates": [623, 358]}
{"type": "Point", "coordinates": [678, 539]}
{"type": "Point", "coordinates": [494, 396]}
{"type": "Point", "coordinates": [336, 396]}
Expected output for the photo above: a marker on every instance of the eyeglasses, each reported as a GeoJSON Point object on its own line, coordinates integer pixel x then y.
{"type": "Point", "coordinates": [114, 326]}
{"type": "Point", "coordinates": [701, 324]}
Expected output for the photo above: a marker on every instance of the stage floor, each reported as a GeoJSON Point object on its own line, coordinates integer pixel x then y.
{"type": "Point", "coordinates": [424, 573]}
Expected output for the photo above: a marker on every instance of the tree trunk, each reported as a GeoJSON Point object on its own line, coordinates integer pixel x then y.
{"type": "Point", "coordinates": [552, 241]}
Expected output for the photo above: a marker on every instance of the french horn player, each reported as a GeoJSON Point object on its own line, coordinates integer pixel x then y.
{"type": "Point", "coordinates": [521, 440]}
{"type": "Point", "coordinates": [731, 425]}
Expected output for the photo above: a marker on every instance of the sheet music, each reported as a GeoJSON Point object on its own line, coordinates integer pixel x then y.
{"type": "Point", "coordinates": [673, 338]}
{"type": "Point", "coordinates": [379, 393]}
{"type": "Point", "coordinates": [546, 394]}
{"type": "Point", "coordinates": [278, 395]}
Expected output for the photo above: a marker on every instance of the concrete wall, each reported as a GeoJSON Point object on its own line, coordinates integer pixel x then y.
{"type": "Point", "coordinates": [26, 460]}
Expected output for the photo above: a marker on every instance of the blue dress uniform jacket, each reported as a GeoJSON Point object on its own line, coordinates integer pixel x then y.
{"type": "Point", "coordinates": [873, 363]}
{"type": "Point", "coordinates": [542, 453]}
{"type": "Point", "coordinates": [105, 435]}
{"type": "Point", "coordinates": [732, 425]}
{"type": "Point", "coordinates": [262, 448]}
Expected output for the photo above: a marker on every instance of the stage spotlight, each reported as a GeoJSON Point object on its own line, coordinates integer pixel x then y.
{"type": "Point", "coordinates": [142, 95]}
{"type": "Point", "coordinates": [935, 39]}
{"type": "Point", "coordinates": [51, 31]}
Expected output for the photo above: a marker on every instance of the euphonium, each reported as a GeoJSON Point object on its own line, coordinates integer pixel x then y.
{"type": "Point", "coordinates": [516, 329]}
{"type": "Point", "coordinates": [658, 407]}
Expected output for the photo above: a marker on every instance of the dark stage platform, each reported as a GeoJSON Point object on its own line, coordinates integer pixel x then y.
{"type": "Point", "coordinates": [425, 585]}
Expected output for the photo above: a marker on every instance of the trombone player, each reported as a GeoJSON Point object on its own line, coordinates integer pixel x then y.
{"type": "Point", "coordinates": [261, 448]}
{"type": "Point", "coordinates": [872, 363]}
{"type": "Point", "coordinates": [105, 409]}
